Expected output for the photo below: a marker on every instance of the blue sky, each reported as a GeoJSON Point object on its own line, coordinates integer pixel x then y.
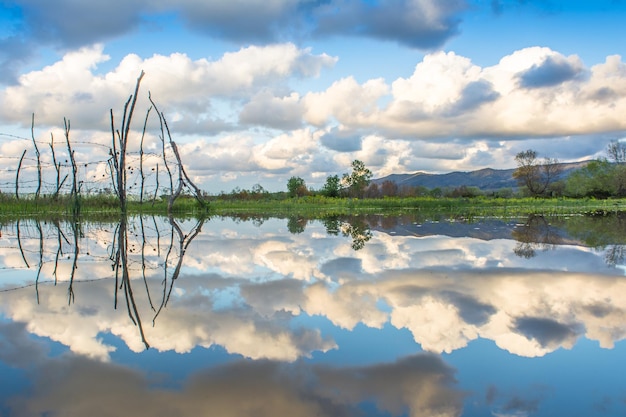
{"type": "Point", "coordinates": [257, 91]}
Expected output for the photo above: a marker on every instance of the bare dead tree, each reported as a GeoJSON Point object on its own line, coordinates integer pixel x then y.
{"type": "Point", "coordinates": [180, 183]}
{"type": "Point", "coordinates": [162, 137]}
{"type": "Point", "coordinates": [143, 261]}
{"type": "Point", "coordinates": [181, 170]}
{"type": "Point", "coordinates": [59, 252]}
{"type": "Point", "coordinates": [197, 192]}
{"type": "Point", "coordinates": [121, 137]}
{"type": "Point", "coordinates": [74, 192]}
{"type": "Point", "coordinates": [143, 177]}
{"type": "Point", "coordinates": [537, 177]}
{"type": "Point", "coordinates": [76, 230]}
{"type": "Point", "coordinates": [156, 186]}
{"type": "Point", "coordinates": [616, 151]}
{"type": "Point", "coordinates": [19, 243]}
{"type": "Point", "coordinates": [158, 239]}
{"type": "Point", "coordinates": [184, 240]}
{"type": "Point", "coordinates": [112, 163]}
{"type": "Point", "coordinates": [32, 134]}
{"type": "Point", "coordinates": [17, 176]}
{"type": "Point", "coordinates": [119, 256]}
{"type": "Point", "coordinates": [40, 264]}
{"type": "Point", "coordinates": [57, 167]}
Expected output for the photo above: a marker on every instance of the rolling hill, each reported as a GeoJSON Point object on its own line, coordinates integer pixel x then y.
{"type": "Point", "coordinates": [485, 179]}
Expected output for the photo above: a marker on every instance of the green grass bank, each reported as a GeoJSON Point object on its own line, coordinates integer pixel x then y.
{"type": "Point", "coordinates": [312, 206]}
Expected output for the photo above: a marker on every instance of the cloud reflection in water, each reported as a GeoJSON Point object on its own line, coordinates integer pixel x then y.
{"type": "Point", "coordinates": [73, 385]}
{"type": "Point", "coordinates": [241, 290]}
{"type": "Point", "coordinates": [286, 308]}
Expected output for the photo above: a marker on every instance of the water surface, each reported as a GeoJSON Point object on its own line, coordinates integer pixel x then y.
{"type": "Point", "coordinates": [369, 316]}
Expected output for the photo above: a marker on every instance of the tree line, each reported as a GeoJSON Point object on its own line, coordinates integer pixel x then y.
{"type": "Point", "coordinates": [536, 177]}
{"type": "Point", "coordinates": [604, 177]}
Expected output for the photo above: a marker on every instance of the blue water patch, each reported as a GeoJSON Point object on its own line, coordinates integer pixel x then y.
{"type": "Point", "coordinates": [584, 381]}
{"type": "Point", "coordinates": [177, 367]}
{"type": "Point", "coordinates": [13, 382]}
{"type": "Point", "coordinates": [360, 346]}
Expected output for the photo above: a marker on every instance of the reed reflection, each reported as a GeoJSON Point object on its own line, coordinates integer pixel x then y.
{"type": "Point", "coordinates": [60, 242]}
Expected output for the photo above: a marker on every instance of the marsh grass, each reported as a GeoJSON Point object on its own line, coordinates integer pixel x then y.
{"type": "Point", "coordinates": [452, 207]}
{"type": "Point", "coordinates": [311, 206]}
{"type": "Point", "coordinates": [92, 207]}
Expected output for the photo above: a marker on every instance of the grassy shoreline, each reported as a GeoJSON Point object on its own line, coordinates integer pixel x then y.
{"type": "Point", "coordinates": [108, 207]}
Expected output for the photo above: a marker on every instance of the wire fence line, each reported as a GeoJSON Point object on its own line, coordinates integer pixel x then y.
{"type": "Point", "coordinates": [144, 252]}
{"type": "Point", "coordinates": [95, 175]}
{"type": "Point", "coordinates": [55, 242]}
{"type": "Point", "coordinates": [122, 172]}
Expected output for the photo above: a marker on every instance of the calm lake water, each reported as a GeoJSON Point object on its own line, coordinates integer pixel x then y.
{"type": "Point", "coordinates": [370, 316]}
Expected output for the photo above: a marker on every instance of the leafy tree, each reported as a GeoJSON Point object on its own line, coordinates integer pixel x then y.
{"type": "Point", "coordinates": [296, 187]}
{"type": "Point", "coordinates": [599, 179]}
{"type": "Point", "coordinates": [358, 179]}
{"type": "Point", "coordinates": [619, 180]}
{"type": "Point", "coordinates": [463, 192]}
{"type": "Point", "coordinates": [617, 153]}
{"type": "Point", "coordinates": [435, 192]}
{"type": "Point", "coordinates": [332, 187]}
{"type": "Point", "coordinates": [594, 180]}
{"type": "Point", "coordinates": [534, 175]}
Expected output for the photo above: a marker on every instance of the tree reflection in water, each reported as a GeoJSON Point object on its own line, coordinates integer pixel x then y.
{"type": "Point", "coordinates": [125, 247]}
{"type": "Point", "coordinates": [615, 255]}
{"type": "Point", "coordinates": [296, 224]}
{"type": "Point", "coordinates": [354, 227]}
{"type": "Point", "coordinates": [119, 256]}
{"type": "Point", "coordinates": [147, 247]}
{"type": "Point", "coordinates": [535, 234]}
{"type": "Point", "coordinates": [299, 325]}
{"type": "Point", "coordinates": [358, 231]}
{"type": "Point", "coordinates": [607, 233]}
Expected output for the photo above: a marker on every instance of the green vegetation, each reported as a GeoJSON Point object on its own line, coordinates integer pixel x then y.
{"type": "Point", "coordinates": [464, 207]}
{"type": "Point", "coordinates": [601, 178]}
{"type": "Point", "coordinates": [358, 180]}
{"type": "Point", "coordinates": [92, 207]}
{"type": "Point", "coordinates": [332, 187]}
{"type": "Point", "coordinates": [354, 194]}
{"type": "Point", "coordinates": [296, 187]}
{"type": "Point", "coordinates": [279, 203]}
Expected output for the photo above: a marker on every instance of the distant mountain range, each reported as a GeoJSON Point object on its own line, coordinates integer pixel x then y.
{"type": "Point", "coordinates": [486, 179]}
